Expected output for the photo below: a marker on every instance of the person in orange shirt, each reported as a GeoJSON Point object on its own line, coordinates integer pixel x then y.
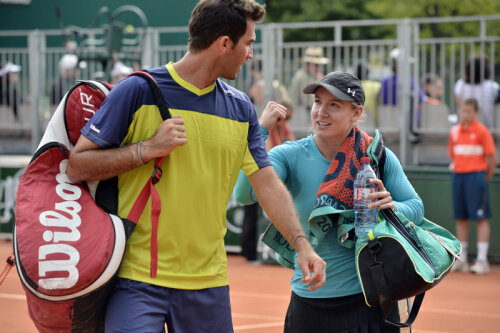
{"type": "Point", "coordinates": [473, 153]}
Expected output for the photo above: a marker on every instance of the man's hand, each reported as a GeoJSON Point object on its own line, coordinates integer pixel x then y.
{"type": "Point", "coordinates": [278, 205]}
{"type": "Point", "coordinates": [272, 114]}
{"type": "Point", "coordinates": [169, 135]}
{"type": "Point", "coordinates": [312, 266]}
{"type": "Point", "coordinates": [88, 161]}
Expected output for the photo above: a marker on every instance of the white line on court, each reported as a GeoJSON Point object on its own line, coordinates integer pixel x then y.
{"type": "Point", "coordinates": [462, 313]}
{"type": "Point", "coordinates": [258, 295]}
{"type": "Point", "coordinates": [250, 327]}
{"type": "Point", "coordinates": [13, 296]}
{"type": "Point", "coordinates": [254, 316]}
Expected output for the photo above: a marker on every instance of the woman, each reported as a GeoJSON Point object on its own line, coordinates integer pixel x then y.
{"type": "Point", "coordinates": [338, 105]}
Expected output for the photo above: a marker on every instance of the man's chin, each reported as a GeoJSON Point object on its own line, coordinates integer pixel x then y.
{"type": "Point", "coordinates": [229, 77]}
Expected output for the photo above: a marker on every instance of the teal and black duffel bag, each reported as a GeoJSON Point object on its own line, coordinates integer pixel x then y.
{"type": "Point", "coordinates": [399, 259]}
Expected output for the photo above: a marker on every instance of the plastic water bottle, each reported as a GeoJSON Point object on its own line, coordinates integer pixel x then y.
{"type": "Point", "coordinates": [365, 218]}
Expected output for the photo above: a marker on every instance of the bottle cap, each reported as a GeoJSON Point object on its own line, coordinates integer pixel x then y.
{"type": "Point", "coordinates": [365, 160]}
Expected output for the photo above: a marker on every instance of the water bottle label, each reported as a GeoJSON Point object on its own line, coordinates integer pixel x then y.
{"type": "Point", "coordinates": [362, 192]}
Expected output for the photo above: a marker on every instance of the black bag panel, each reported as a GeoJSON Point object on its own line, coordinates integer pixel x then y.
{"type": "Point", "coordinates": [88, 313]}
{"type": "Point", "coordinates": [391, 251]}
{"type": "Point", "coordinates": [106, 195]}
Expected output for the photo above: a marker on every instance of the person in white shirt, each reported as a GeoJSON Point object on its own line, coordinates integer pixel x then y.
{"type": "Point", "coordinates": [478, 85]}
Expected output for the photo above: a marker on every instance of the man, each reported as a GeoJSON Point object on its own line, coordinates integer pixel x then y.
{"type": "Point", "coordinates": [311, 71]}
{"type": "Point", "coordinates": [371, 89]}
{"type": "Point", "coordinates": [213, 133]}
{"type": "Point", "coordinates": [68, 74]}
{"type": "Point", "coordinates": [388, 94]}
{"type": "Point", "coordinates": [433, 89]}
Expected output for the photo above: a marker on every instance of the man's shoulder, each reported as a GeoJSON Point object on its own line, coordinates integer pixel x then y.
{"type": "Point", "coordinates": [299, 74]}
{"type": "Point", "coordinates": [371, 85]}
{"type": "Point", "coordinates": [481, 128]}
{"type": "Point", "coordinates": [231, 92]}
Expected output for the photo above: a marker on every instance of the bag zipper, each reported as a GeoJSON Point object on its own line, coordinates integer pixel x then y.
{"type": "Point", "coordinates": [390, 216]}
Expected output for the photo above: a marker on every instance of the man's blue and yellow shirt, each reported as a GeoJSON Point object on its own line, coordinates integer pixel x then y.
{"type": "Point", "coordinates": [223, 137]}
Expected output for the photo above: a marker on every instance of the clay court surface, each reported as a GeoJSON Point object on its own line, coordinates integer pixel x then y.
{"type": "Point", "coordinates": [462, 302]}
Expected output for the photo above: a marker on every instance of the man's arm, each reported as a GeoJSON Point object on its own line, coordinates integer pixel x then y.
{"type": "Point", "coordinates": [278, 205]}
{"type": "Point", "coordinates": [88, 161]}
{"type": "Point", "coordinates": [491, 161]}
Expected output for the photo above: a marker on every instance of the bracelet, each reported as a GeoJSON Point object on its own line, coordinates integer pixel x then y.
{"type": "Point", "coordinates": [139, 152]}
{"type": "Point", "coordinates": [299, 236]}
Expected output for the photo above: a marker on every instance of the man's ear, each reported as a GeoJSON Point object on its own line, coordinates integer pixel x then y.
{"type": "Point", "coordinates": [224, 43]}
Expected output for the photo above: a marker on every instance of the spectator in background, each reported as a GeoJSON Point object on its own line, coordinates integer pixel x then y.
{"type": "Point", "coordinates": [477, 84]}
{"type": "Point", "coordinates": [249, 228]}
{"type": "Point", "coordinates": [9, 94]}
{"type": "Point", "coordinates": [257, 96]}
{"type": "Point", "coordinates": [433, 89]}
{"type": "Point", "coordinates": [249, 232]}
{"type": "Point", "coordinates": [281, 132]}
{"type": "Point", "coordinates": [310, 72]}
{"type": "Point", "coordinates": [388, 93]}
{"type": "Point", "coordinates": [255, 74]}
{"type": "Point", "coordinates": [68, 73]}
{"type": "Point", "coordinates": [371, 89]}
{"type": "Point", "coordinates": [473, 152]}
{"type": "Point", "coordinates": [119, 71]}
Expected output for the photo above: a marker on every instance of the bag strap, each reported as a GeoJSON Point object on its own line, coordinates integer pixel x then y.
{"type": "Point", "coordinates": [393, 219]}
{"type": "Point", "coordinates": [149, 190]}
{"type": "Point", "coordinates": [10, 262]}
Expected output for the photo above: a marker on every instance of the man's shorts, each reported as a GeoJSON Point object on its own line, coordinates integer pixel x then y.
{"type": "Point", "coordinates": [142, 307]}
{"type": "Point", "coordinates": [470, 196]}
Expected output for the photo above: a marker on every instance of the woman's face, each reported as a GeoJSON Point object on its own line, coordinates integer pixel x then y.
{"type": "Point", "coordinates": [331, 117]}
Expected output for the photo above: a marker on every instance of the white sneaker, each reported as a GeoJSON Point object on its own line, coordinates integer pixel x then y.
{"type": "Point", "coordinates": [480, 267]}
{"type": "Point", "coordinates": [460, 266]}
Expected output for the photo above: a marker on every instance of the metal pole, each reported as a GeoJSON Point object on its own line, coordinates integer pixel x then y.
{"type": "Point", "coordinates": [269, 60]}
{"type": "Point", "coordinates": [36, 51]}
{"type": "Point", "coordinates": [403, 86]}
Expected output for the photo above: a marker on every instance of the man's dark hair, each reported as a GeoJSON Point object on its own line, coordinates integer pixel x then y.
{"type": "Point", "coordinates": [477, 69]}
{"type": "Point", "coordinates": [211, 19]}
{"type": "Point", "coordinates": [362, 71]}
{"type": "Point", "coordinates": [430, 78]}
{"type": "Point", "coordinates": [472, 102]}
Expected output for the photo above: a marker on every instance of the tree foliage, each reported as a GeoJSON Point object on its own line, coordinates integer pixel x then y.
{"type": "Point", "coordinates": [321, 10]}
{"type": "Point", "coordinates": [334, 10]}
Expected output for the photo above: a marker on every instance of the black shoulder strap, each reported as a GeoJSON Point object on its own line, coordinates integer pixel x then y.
{"type": "Point", "coordinates": [157, 94]}
{"type": "Point", "coordinates": [381, 165]}
{"type": "Point", "coordinates": [107, 190]}
{"type": "Point", "coordinates": [376, 152]}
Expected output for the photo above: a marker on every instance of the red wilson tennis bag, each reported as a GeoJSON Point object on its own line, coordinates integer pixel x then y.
{"type": "Point", "coordinates": [68, 244]}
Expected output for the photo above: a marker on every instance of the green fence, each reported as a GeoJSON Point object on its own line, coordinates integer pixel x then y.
{"type": "Point", "coordinates": [433, 184]}
{"type": "Point", "coordinates": [11, 168]}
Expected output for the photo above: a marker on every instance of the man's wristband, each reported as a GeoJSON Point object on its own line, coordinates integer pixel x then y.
{"type": "Point", "coordinates": [139, 152]}
{"type": "Point", "coordinates": [296, 238]}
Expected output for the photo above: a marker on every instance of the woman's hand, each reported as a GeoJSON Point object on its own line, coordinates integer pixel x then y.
{"type": "Point", "coordinates": [272, 114]}
{"type": "Point", "coordinates": [384, 199]}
